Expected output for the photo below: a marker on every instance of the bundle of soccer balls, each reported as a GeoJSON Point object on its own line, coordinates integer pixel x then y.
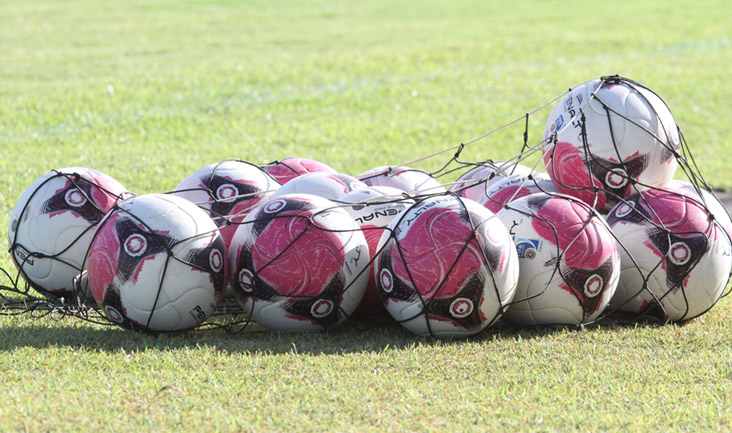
{"type": "Point", "coordinates": [299, 246]}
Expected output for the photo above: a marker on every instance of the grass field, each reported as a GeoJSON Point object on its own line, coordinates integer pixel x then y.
{"type": "Point", "coordinates": [148, 92]}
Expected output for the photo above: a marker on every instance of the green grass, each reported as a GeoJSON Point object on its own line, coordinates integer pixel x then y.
{"type": "Point", "coordinates": [150, 91]}
{"type": "Point", "coordinates": [66, 376]}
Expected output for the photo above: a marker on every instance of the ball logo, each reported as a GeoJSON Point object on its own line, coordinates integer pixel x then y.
{"type": "Point", "coordinates": [198, 314]}
{"type": "Point", "coordinates": [616, 178]}
{"type": "Point", "coordinates": [113, 314]}
{"type": "Point", "coordinates": [246, 279]}
{"type": "Point", "coordinates": [216, 260]}
{"type": "Point", "coordinates": [387, 280]}
{"type": "Point", "coordinates": [75, 198]}
{"type": "Point", "coordinates": [461, 308]}
{"type": "Point", "coordinates": [593, 286]}
{"type": "Point", "coordinates": [135, 245]}
{"type": "Point", "coordinates": [226, 193]}
{"type": "Point", "coordinates": [557, 125]}
{"type": "Point", "coordinates": [274, 206]}
{"type": "Point", "coordinates": [526, 248]}
{"type": "Point", "coordinates": [625, 209]}
{"type": "Point", "coordinates": [23, 256]}
{"type": "Point", "coordinates": [321, 308]}
{"type": "Point", "coordinates": [679, 253]}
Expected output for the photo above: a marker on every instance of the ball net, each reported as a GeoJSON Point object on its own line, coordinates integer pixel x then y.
{"type": "Point", "coordinates": [596, 234]}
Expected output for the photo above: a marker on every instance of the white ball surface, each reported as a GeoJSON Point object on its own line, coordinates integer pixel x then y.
{"type": "Point", "coordinates": [157, 264]}
{"type": "Point", "coordinates": [52, 223]}
{"type": "Point", "coordinates": [410, 180]}
{"type": "Point", "coordinates": [628, 142]}
{"type": "Point", "coordinates": [676, 258]}
{"type": "Point", "coordinates": [299, 263]}
{"type": "Point", "coordinates": [475, 182]}
{"type": "Point", "coordinates": [569, 261]}
{"type": "Point", "coordinates": [331, 186]}
{"type": "Point", "coordinates": [447, 267]}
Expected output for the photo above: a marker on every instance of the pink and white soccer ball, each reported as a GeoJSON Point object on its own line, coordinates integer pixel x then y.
{"type": "Point", "coordinates": [156, 264]}
{"type": "Point", "coordinates": [569, 261]}
{"type": "Point", "coordinates": [447, 267]}
{"type": "Point", "coordinates": [407, 179]}
{"type": "Point", "coordinates": [52, 223]}
{"type": "Point", "coordinates": [706, 200]}
{"type": "Point", "coordinates": [299, 262]}
{"type": "Point", "coordinates": [228, 191]}
{"type": "Point", "coordinates": [289, 168]}
{"type": "Point", "coordinates": [631, 141]}
{"type": "Point", "coordinates": [505, 190]}
{"type": "Point", "coordinates": [331, 186]}
{"type": "Point", "coordinates": [473, 183]}
{"type": "Point", "coordinates": [373, 208]}
{"type": "Point", "coordinates": [672, 243]}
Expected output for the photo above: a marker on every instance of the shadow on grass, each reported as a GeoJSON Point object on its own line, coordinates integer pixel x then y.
{"type": "Point", "coordinates": [255, 340]}
{"type": "Point", "coordinates": [25, 331]}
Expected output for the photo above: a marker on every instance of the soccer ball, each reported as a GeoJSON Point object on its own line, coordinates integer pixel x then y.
{"type": "Point", "coordinates": [228, 191]}
{"type": "Point", "coordinates": [473, 183]}
{"type": "Point", "coordinates": [52, 223]}
{"type": "Point", "coordinates": [156, 264]}
{"type": "Point", "coordinates": [569, 261]}
{"type": "Point", "coordinates": [507, 189]}
{"type": "Point", "coordinates": [299, 262]}
{"type": "Point", "coordinates": [407, 179]}
{"type": "Point", "coordinates": [373, 208]}
{"type": "Point", "coordinates": [628, 141]}
{"type": "Point", "coordinates": [289, 168]}
{"type": "Point", "coordinates": [676, 258]}
{"type": "Point", "coordinates": [447, 267]}
{"type": "Point", "coordinates": [331, 186]}
{"type": "Point", "coordinates": [707, 200]}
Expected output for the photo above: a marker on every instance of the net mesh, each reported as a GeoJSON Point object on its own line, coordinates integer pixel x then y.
{"type": "Point", "coordinates": [634, 248]}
